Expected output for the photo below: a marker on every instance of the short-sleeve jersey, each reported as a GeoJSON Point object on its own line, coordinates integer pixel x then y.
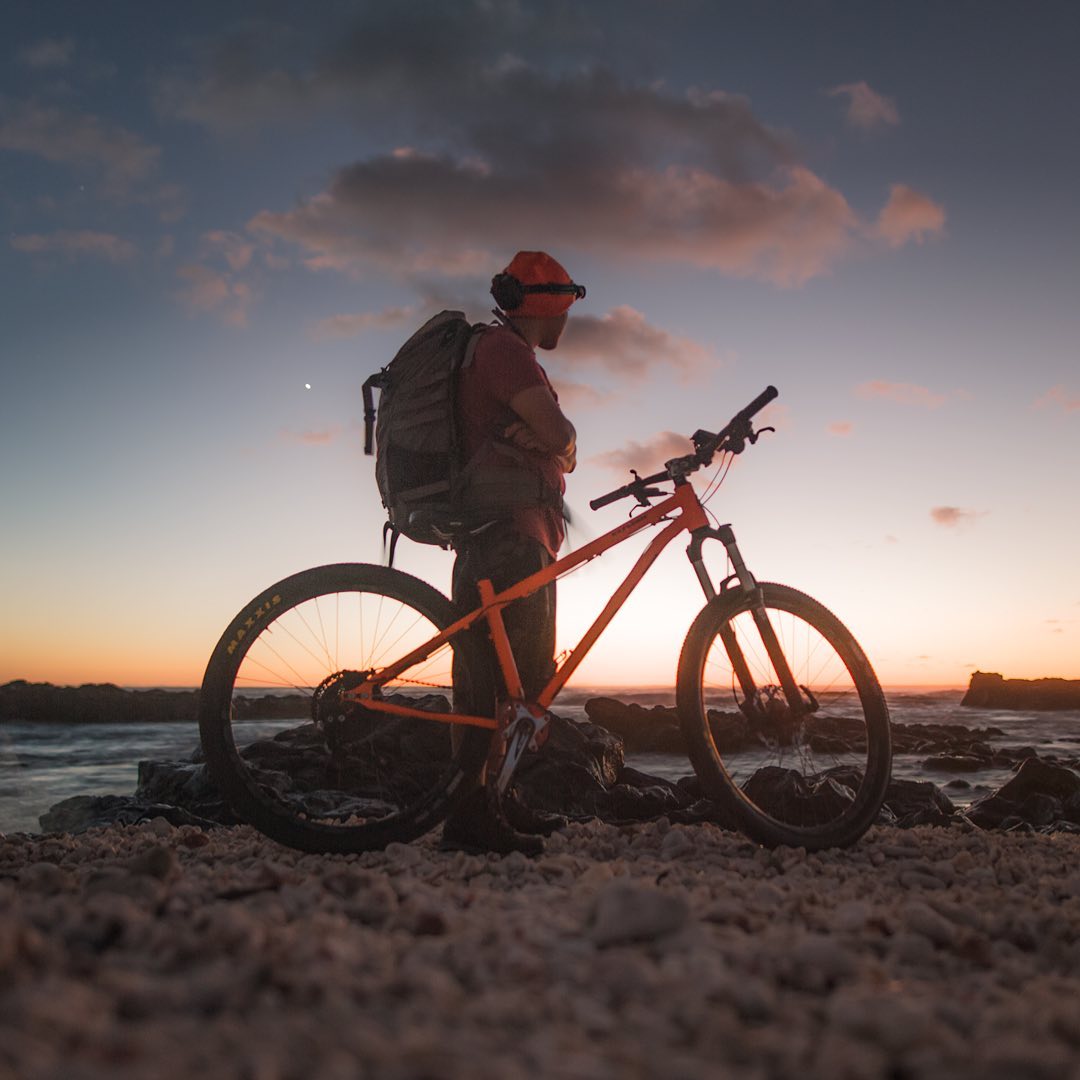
{"type": "Point", "coordinates": [502, 366]}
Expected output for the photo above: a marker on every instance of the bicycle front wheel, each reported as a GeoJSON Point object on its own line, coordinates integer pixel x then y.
{"type": "Point", "coordinates": [311, 769]}
{"type": "Point", "coordinates": [809, 772]}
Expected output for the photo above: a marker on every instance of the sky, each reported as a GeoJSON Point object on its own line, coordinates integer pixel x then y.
{"type": "Point", "coordinates": [219, 218]}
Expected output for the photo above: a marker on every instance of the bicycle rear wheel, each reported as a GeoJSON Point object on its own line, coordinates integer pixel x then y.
{"type": "Point", "coordinates": [812, 776]}
{"type": "Point", "coordinates": [318, 773]}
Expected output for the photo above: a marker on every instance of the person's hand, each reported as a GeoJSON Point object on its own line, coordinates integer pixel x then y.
{"type": "Point", "coordinates": [520, 434]}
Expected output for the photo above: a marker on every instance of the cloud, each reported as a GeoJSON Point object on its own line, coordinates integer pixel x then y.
{"type": "Point", "coordinates": [646, 457]}
{"type": "Point", "coordinates": [77, 244]}
{"type": "Point", "coordinates": [515, 123]}
{"type": "Point", "coordinates": [624, 344]}
{"type": "Point", "coordinates": [408, 216]}
{"type": "Point", "coordinates": [80, 140]}
{"type": "Point", "coordinates": [209, 290]}
{"type": "Point", "coordinates": [867, 109]}
{"type": "Point", "coordinates": [230, 246]}
{"type": "Point", "coordinates": [322, 437]}
{"type": "Point", "coordinates": [908, 215]}
{"type": "Point", "coordinates": [901, 393]}
{"type": "Point", "coordinates": [1057, 397]}
{"type": "Point", "coordinates": [840, 428]}
{"type": "Point", "coordinates": [338, 327]}
{"type": "Point", "coordinates": [952, 516]}
{"type": "Point", "coordinates": [47, 53]}
{"type": "Point", "coordinates": [576, 395]}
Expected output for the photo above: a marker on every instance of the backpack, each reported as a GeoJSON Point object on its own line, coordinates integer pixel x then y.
{"type": "Point", "coordinates": [431, 494]}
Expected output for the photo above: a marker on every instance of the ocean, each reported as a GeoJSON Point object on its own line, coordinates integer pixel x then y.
{"type": "Point", "coordinates": [40, 764]}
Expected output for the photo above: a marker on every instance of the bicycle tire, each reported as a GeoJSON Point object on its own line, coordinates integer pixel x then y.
{"type": "Point", "coordinates": [814, 781]}
{"type": "Point", "coordinates": [335, 777]}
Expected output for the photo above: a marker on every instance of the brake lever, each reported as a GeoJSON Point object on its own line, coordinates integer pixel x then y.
{"type": "Point", "coordinates": [642, 493]}
{"type": "Point", "coordinates": [754, 435]}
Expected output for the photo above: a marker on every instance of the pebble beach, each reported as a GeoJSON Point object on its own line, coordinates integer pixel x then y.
{"type": "Point", "coordinates": [651, 950]}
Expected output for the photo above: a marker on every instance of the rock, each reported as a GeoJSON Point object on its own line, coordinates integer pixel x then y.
{"type": "Point", "coordinates": [625, 911]}
{"type": "Point", "coordinates": [640, 797]}
{"type": "Point", "coordinates": [643, 730]}
{"type": "Point", "coordinates": [795, 799]}
{"type": "Point", "coordinates": [101, 703]}
{"type": "Point", "coordinates": [573, 772]}
{"type": "Point", "coordinates": [183, 784]}
{"type": "Point", "coordinates": [1037, 795]}
{"type": "Point", "coordinates": [909, 803]}
{"type": "Point", "coordinates": [988, 690]}
{"type": "Point", "coordinates": [82, 812]}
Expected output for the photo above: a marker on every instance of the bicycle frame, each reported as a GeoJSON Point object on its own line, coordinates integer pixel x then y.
{"type": "Point", "coordinates": [690, 518]}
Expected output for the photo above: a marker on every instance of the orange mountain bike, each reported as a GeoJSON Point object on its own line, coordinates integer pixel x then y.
{"type": "Point", "coordinates": [348, 667]}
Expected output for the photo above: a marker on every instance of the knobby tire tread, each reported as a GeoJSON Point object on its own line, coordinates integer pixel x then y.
{"type": "Point", "coordinates": [271, 817]}
{"type": "Point", "coordinates": [705, 758]}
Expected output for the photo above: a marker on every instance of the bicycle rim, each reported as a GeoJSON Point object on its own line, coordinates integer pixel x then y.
{"type": "Point", "coordinates": [306, 766]}
{"type": "Point", "coordinates": [813, 776]}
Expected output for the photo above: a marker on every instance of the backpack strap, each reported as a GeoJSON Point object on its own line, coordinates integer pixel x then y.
{"type": "Point", "coordinates": [395, 532]}
{"type": "Point", "coordinates": [373, 382]}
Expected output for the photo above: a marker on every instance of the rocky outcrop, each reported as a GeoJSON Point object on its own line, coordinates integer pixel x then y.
{"type": "Point", "coordinates": [988, 690]}
{"type": "Point", "coordinates": [104, 703]}
{"type": "Point", "coordinates": [1039, 796]}
{"type": "Point", "coordinates": [98, 703]}
{"type": "Point", "coordinates": [581, 773]}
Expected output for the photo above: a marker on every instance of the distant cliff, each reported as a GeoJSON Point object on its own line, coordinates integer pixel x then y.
{"type": "Point", "coordinates": [94, 703]}
{"type": "Point", "coordinates": [991, 691]}
{"type": "Point", "coordinates": [104, 703]}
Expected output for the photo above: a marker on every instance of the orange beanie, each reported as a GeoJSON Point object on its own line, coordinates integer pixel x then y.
{"type": "Point", "coordinates": [539, 268]}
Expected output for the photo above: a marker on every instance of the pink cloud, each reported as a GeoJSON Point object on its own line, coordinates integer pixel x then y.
{"type": "Point", "coordinates": [1057, 397]}
{"type": "Point", "coordinates": [232, 247]}
{"type": "Point", "coordinates": [209, 290]}
{"type": "Point", "coordinates": [866, 108]}
{"type": "Point", "coordinates": [409, 216]}
{"type": "Point", "coordinates": [82, 242]}
{"type": "Point", "coordinates": [952, 516]}
{"type": "Point", "coordinates": [908, 215]}
{"type": "Point", "coordinates": [321, 437]}
{"type": "Point", "coordinates": [338, 327]}
{"type": "Point", "coordinates": [901, 393]}
{"type": "Point", "coordinates": [840, 428]}
{"type": "Point", "coordinates": [77, 139]}
{"type": "Point", "coordinates": [646, 457]}
{"type": "Point", "coordinates": [576, 395]}
{"type": "Point", "coordinates": [624, 344]}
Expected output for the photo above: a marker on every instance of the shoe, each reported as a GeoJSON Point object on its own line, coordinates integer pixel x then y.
{"type": "Point", "coordinates": [534, 822]}
{"type": "Point", "coordinates": [477, 827]}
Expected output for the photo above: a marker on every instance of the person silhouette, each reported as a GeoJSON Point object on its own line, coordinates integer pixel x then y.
{"type": "Point", "coordinates": [507, 406]}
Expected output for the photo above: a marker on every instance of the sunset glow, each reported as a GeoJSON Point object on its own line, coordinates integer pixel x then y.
{"type": "Point", "coordinates": [216, 227]}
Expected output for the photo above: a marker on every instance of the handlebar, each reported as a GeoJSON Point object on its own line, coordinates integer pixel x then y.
{"type": "Point", "coordinates": [733, 438]}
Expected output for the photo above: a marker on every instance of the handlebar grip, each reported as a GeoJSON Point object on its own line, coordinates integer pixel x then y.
{"type": "Point", "coordinates": [608, 499]}
{"type": "Point", "coordinates": [760, 402]}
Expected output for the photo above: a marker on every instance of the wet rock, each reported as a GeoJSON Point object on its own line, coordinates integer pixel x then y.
{"type": "Point", "coordinates": [183, 784]}
{"type": "Point", "coordinates": [1037, 795]}
{"type": "Point", "coordinates": [82, 812]}
{"type": "Point", "coordinates": [639, 796]}
{"type": "Point", "coordinates": [792, 797]}
{"type": "Point", "coordinates": [574, 771]}
{"type": "Point", "coordinates": [642, 729]}
{"type": "Point", "coordinates": [909, 803]}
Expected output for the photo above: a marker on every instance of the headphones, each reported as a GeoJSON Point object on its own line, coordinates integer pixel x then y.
{"type": "Point", "coordinates": [510, 293]}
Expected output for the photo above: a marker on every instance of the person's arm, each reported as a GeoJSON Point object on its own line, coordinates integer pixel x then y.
{"type": "Point", "coordinates": [543, 427]}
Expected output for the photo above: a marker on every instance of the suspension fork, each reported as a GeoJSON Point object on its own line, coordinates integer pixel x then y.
{"type": "Point", "coordinates": [747, 584]}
